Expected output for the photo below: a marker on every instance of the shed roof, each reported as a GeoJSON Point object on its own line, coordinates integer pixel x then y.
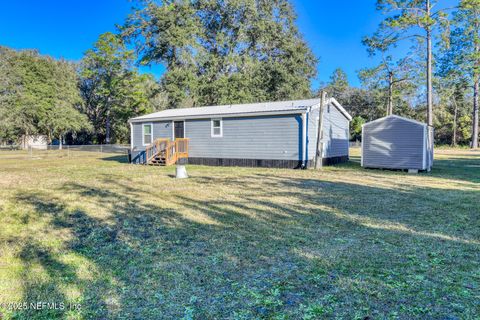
{"type": "Point", "coordinates": [250, 109]}
{"type": "Point", "coordinates": [396, 117]}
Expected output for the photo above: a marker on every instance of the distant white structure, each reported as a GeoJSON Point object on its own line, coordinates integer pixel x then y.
{"type": "Point", "coordinates": [39, 142]}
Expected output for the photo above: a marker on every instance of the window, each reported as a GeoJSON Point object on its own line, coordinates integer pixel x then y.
{"type": "Point", "coordinates": [217, 128]}
{"type": "Point", "coordinates": [147, 134]}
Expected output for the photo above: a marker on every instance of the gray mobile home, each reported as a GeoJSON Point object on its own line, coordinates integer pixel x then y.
{"type": "Point", "coordinates": [273, 134]}
{"type": "Point", "coordinates": [395, 142]}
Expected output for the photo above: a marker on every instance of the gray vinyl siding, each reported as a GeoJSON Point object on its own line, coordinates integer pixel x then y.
{"type": "Point", "coordinates": [161, 129]}
{"type": "Point", "coordinates": [137, 137]}
{"type": "Point", "coordinates": [393, 143]}
{"type": "Point", "coordinates": [276, 137]}
{"type": "Point", "coordinates": [336, 133]}
{"type": "Point", "coordinates": [265, 137]}
{"type": "Point", "coordinates": [312, 134]}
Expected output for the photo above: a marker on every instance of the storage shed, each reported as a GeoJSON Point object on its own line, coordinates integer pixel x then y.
{"type": "Point", "coordinates": [268, 134]}
{"type": "Point", "coordinates": [395, 142]}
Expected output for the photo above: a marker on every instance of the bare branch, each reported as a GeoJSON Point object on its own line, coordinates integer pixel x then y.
{"type": "Point", "coordinates": [443, 10]}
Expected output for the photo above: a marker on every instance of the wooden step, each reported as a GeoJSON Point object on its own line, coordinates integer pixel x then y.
{"type": "Point", "coordinates": [156, 163]}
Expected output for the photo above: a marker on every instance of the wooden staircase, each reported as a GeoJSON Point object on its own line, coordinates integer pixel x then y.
{"type": "Point", "coordinates": [163, 152]}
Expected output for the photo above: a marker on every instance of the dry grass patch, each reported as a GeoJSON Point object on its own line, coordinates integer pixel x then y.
{"type": "Point", "coordinates": [239, 243]}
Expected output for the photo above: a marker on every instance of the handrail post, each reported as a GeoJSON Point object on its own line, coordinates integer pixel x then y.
{"type": "Point", "coordinates": [167, 152]}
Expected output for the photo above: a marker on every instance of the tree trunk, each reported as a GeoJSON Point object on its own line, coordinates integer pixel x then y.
{"type": "Point", "coordinates": [455, 114]}
{"type": "Point", "coordinates": [107, 122]}
{"type": "Point", "coordinates": [107, 129]}
{"type": "Point", "coordinates": [429, 69]}
{"type": "Point", "coordinates": [476, 89]}
{"type": "Point", "coordinates": [390, 94]}
{"type": "Point", "coordinates": [60, 142]}
{"type": "Point", "coordinates": [24, 140]}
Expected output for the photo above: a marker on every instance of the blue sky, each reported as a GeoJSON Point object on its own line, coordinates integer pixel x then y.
{"type": "Point", "coordinates": [332, 28]}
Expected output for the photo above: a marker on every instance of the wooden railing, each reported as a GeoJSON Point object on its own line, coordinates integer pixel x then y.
{"type": "Point", "coordinates": [182, 148]}
{"type": "Point", "coordinates": [140, 158]}
{"type": "Point", "coordinates": [171, 151]}
{"type": "Point", "coordinates": [155, 149]}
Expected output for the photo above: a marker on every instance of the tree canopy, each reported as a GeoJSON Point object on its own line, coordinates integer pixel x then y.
{"type": "Point", "coordinates": [240, 51]}
{"type": "Point", "coordinates": [221, 52]}
{"type": "Point", "coordinates": [112, 89]}
{"type": "Point", "coordinates": [36, 91]}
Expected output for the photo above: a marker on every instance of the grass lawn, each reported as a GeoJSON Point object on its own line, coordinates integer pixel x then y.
{"type": "Point", "coordinates": [131, 242]}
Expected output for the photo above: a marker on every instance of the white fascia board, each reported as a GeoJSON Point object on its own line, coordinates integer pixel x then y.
{"type": "Point", "coordinates": [314, 107]}
{"type": "Point", "coordinates": [424, 151]}
{"type": "Point", "coordinates": [304, 138]}
{"type": "Point", "coordinates": [361, 149]}
{"type": "Point", "coordinates": [337, 105]}
{"type": "Point", "coordinates": [230, 115]}
{"type": "Point", "coordinates": [396, 117]}
{"type": "Point", "coordinates": [340, 108]}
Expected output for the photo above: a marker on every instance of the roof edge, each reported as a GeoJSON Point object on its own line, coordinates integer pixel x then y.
{"type": "Point", "coordinates": [396, 117]}
{"type": "Point", "coordinates": [338, 106]}
{"type": "Point", "coordinates": [341, 108]}
{"type": "Point", "coordinates": [219, 115]}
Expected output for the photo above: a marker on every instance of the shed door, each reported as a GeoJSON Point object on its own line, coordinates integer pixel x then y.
{"type": "Point", "coordinates": [179, 129]}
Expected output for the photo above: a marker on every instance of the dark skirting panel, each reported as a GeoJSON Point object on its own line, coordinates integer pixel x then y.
{"type": "Point", "coordinates": [329, 161]}
{"type": "Point", "coordinates": [265, 163]}
{"type": "Point", "coordinates": [335, 160]}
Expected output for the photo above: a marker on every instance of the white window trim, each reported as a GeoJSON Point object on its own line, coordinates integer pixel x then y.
{"type": "Point", "coordinates": [221, 128]}
{"type": "Point", "coordinates": [184, 128]}
{"type": "Point", "coordinates": [143, 133]}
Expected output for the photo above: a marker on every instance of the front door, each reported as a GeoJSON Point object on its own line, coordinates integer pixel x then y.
{"type": "Point", "coordinates": [179, 129]}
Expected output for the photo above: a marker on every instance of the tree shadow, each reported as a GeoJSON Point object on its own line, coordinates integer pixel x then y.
{"type": "Point", "coordinates": [258, 253]}
{"type": "Point", "coordinates": [465, 168]}
{"type": "Point", "coordinates": [120, 158]}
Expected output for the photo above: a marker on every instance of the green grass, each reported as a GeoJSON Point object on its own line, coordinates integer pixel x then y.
{"type": "Point", "coordinates": [131, 242]}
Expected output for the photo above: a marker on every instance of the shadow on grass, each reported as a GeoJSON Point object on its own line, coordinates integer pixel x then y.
{"type": "Point", "coordinates": [274, 247]}
{"type": "Point", "coordinates": [465, 168]}
{"type": "Point", "coordinates": [120, 158]}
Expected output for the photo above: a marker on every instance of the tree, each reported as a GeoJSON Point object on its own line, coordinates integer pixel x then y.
{"type": "Point", "coordinates": [38, 90]}
{"type": "Point", "coordinates": [338, 84]}
{"type": "Point", "coordinates": [220, 52]}
{"type": "Point", "coordinates": [357, 101]}
{"type": "Point", "coordinates": [405, 18]}
{"type": "Point", "coordinates": [356, 128]}
{"type": "Point", "coordinates": [8, 90]}
{"type": "Point", "coordinates": [62, 116]}
{"type": "Point", "coordinates": [463, 56]}
{"type": "Point", "coordinates": [112, 89]}
{"type": "Point", "coordinates": [395, 77]}
{"type": "Point", "coordinates": [453, 89]}
{"type": "Point", "coordinates": [28, 91]}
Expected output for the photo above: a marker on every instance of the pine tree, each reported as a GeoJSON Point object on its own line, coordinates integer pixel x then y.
{"type": "Point", "coordinates": [395, 78]}
{"type": "Point", "coordinates": [465, 54]}
{"type": "Point", "coordinates": [404, 19]}
{"type": "Point", "coordinates": [338, 83]}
